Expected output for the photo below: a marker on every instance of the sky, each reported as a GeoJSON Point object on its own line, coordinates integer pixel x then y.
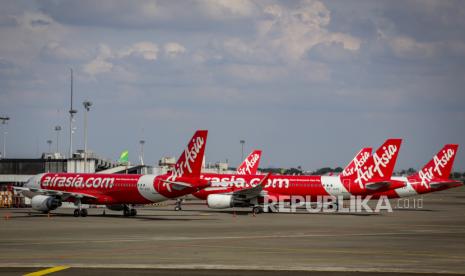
{"type": "Point", "coordinates": [308, 82]}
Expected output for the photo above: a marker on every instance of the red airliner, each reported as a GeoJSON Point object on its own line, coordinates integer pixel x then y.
{"type": "Point", "coordinates": [433, 177]}
{"type": "Point", "coordinates": [119, 191]}
{"type": "Point", "coordinates": [248, 167]}
{"type": "Point", "coordinates": [232, 190]}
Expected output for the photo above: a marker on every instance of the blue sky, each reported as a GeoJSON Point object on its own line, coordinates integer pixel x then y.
{"type": "Point", "coordinates": [308, 82]}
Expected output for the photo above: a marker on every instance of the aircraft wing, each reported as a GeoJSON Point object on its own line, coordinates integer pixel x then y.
{"type": "Point", "coordinates": [252, 192]}
{"type": "Point", "coordinates": [215, 188]}
{"type": "Point", "coordinates": [61, 194]}
{"type": "Point", "coordinates": [176, 185]}
{"type": "Point", "coordinates": [444, 183]}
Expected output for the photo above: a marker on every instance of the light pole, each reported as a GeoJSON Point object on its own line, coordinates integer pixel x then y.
{"type": "Point", "coordinates": [242, 145]}
{"type": "Point", "coordinates": [87, 105]}
{"type": "Point", "coordinates": [58, 129]}
{"type": "Point", "coordinates": [142, 142]}
{"type": "Point", "coordinates": [4, 122]}
{"type": "Point", "coordinates": [49, 142]}
{"type": "Point", "coordinates": [71, 119]}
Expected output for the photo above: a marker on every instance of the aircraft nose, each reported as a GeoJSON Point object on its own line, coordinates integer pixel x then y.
{"type": "Point", "coordinates": [30, 183]}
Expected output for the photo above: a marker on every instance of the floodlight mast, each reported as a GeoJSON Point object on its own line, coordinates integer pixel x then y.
{"type": "Point", "coordinates": [87, 105]}
{"type": "Point", "coordinates": [71, 119]}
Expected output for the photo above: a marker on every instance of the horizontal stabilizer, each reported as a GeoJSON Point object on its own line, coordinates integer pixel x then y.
{"type": "Point", "coordinates": [373, 186]}
{"type": "Point", "coordinates": [444, 184]}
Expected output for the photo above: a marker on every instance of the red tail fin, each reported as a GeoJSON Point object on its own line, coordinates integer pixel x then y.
{"type": "Point", "coordinates": [441, 164]}
{"type": "Point", "coordinates": [380, 165]}
{"type": "Point", "coordinates": [250, 164]}
{"type": "Point", "coordinates": [189, 163]}
{"type": "Point", "coordinates": [358, 161]}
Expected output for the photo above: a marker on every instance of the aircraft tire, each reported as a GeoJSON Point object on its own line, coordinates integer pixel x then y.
{"type": "Point", "coordinates": [257, 210]}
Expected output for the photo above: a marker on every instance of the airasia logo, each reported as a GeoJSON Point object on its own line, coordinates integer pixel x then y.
{"type": "Point", "coordinates": [358, 163]}
{"type": "Point", "coordinates": [240, 182]}
{"type": "Point", "coordinates": [78, 182]}
{"type": "Point", "coordinates": [427, 174]}
{"type": "Point", "coordinates": [248, 164]}
{"type": "Point", "coordinates": [379, 163]}
{"type": "Point", "coordinates": [441, 163]}
{"type": "Point", "coordinates": [190, 155]}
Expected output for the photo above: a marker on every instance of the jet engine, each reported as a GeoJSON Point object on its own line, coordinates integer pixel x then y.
{"type": "Point", "coordinates": [220, 201]}
{"type": "Point", "coordinates": [45, 203]}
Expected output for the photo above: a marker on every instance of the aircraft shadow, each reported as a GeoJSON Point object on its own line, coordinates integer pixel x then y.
{"type": "Point", "coordinates": [414, 210]}
{"type": "Point", "coordinates": [247, 213]}
{"type": "Point", "coordinates": [139, 217]}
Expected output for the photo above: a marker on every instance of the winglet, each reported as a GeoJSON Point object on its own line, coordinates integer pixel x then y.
{"type": "Point", "coordinates": [264, 180]}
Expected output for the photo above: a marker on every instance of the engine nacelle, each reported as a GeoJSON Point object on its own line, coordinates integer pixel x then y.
{"type": "Point", "coordinates": [116, 207]}
{"type": "Point", "coordinates": [220, 201]}
{"type": "Point", "coordinates": [45, 203]}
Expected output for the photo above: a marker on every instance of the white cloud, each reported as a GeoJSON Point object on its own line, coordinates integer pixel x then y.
{"type": "Point", "coordinates": [34, 21]}
{"type": "Point", "coordinates": [173, 49]}
{"type": "Point", "coordinates": [101, 63]}
{"type": "Point", "coordinates": [280, 50]}
{"type": "Point", "coordinates": [145, 50]}
{"type": "Point", "coordinates": [293, 32]}
{"type": "Point", "coordinates": [25, 39]}
{"type": "Point", "coordinates": [106, 57]}
{"type": "Point", "coordinates": [406, 47]}
{"type": "Point", "coordinates": [286, 35]}
{"type": "Point", "coordinates": [57, 51]}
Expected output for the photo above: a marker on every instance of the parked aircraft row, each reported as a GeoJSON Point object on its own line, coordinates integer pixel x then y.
{"type": "Point", "coordinates": [366, 175]}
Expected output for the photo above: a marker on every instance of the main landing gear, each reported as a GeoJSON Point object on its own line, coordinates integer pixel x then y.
{"type": "Point", "coordinates": [129, 212]}
{"type": "Point", "coordinates": [79, 211]}
{"type": "Point", "coordinates": [178, 206]}
{"type": "Point", "coordinates": [257, 210]}
{"type": "Point", "coordinates": [82, 212]}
